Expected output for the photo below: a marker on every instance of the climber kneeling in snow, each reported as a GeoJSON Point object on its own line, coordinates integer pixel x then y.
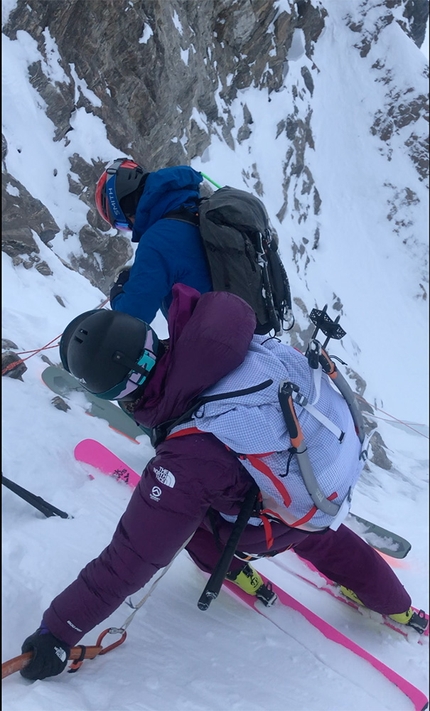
{"type": "Point", "coordinates": [211, 398]}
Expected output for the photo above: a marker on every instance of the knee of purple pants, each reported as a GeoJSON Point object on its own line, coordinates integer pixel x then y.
{"type": "Point", "coordinates": [348, 560]}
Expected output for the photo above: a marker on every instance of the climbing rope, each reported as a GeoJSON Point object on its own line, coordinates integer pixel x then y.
{"type": "Point", "coordinates": [401, 422]}
{"type": "Point", "coordinates": [48, 345]}
{"type": "Point", "coordinates": [34, 352]}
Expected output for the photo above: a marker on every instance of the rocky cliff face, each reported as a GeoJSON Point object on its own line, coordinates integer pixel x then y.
{"type": "Point", "coordinates": [163, 78]}
{"type": "Point", "coordinates": [151, 70]}
{"type": "Point", "coordinates": [148, 69]}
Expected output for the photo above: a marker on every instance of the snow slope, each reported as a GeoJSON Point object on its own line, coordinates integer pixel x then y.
{"type": "Point", "coordinates": [177, 657]}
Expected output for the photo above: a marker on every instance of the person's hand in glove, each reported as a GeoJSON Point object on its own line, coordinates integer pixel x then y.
{"type": "Point", "coordinates": [50, 655]}
{"type": "Point", "coordinates": [118, 285]}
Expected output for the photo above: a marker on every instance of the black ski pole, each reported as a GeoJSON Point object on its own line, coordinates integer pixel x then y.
{"type": "Point", "coordinates": [213, 586]}
{"type": "Point", "coordinates": [36, 501]}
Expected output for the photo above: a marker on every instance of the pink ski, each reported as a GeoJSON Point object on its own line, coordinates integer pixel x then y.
{"type": "Point", "coordinates": [97, 455]}
{"type": "Point", "coordinates": [329, 586]}
{"type": "Point", "coordinates": [417, 697]}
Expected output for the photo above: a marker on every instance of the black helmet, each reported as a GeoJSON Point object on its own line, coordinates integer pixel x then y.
{"type": "Point", "coordinates": [118, 191]}
{"type": "Point", "coordinates": [110, 352]}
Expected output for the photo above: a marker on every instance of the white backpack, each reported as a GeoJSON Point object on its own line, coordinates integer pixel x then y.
{"type": "Point", "coordinates": [296, 429]}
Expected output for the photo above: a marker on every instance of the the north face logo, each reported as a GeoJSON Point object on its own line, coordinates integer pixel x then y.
{"type": "Point", "coordinates": [61, 654]}
{"type": "Point", "coordinates": [165, 476]}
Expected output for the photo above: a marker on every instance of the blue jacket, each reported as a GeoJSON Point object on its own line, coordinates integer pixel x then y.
{"type": "Point", "coordinates": [169, 251]}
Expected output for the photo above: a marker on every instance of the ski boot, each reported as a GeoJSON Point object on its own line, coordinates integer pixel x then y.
{"type": "Point", "coordinates": [416, 620]}
{"type": "Point", "coordinates": [252, 583]}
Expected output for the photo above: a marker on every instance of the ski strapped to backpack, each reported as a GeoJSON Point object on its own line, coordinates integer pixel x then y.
{"type": "Point", "coordinates": [242, 254]}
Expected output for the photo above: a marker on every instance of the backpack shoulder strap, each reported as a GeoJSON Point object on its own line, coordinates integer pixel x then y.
{"type": "Point", "coordinates": [161, 431]}
{"type": "Point", "coordinates": [183, 214]}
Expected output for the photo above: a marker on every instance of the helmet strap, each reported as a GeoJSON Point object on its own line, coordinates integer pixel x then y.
{"type": "Point", "coordinates": [142, 367]}
{"type": "Point", "coordinates": [122, 359]}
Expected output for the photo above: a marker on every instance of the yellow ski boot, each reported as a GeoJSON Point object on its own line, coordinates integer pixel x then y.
{"type": "Point", "coordinates": [252, 583]}
{"type": "Point", "coordinates": [416, 620]}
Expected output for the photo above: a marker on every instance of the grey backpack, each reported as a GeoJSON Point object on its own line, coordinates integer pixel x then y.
{"type": "Point", "coordinates": [243, 254]}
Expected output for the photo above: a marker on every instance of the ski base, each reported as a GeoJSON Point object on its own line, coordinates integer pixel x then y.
{"type": "Point", "coordinates": [97, 455]}
{"type": "Point", "coordinates": [64, 384]}
{"type": "Point", "coordinates": [385, 541]}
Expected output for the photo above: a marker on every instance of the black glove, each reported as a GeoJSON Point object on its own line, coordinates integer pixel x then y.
{"type": "Point", "coordinates": [120, 280]}
{"type": "Point", "coordinates": [50, 655]}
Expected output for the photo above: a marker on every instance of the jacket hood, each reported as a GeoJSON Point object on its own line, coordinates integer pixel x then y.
{"type": "Point", "coordinates": [166, 190]}
{"type": "Point", "coordinates": [209, 337]}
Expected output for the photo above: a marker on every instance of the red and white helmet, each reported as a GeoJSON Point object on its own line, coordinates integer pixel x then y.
{"type": "Point", "coordinates": [120, 179]}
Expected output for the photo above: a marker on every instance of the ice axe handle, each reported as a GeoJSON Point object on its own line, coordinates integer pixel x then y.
{"type": "Point", "coordinates": [213, 586]}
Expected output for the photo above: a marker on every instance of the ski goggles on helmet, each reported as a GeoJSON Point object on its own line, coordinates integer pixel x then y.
{"type": "Point", "coordinates": [138, 373]}
{"type": "Point", "coordinates": [119, 219]}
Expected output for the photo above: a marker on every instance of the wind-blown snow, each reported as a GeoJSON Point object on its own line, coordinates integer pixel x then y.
{"type": "Point", "coordinates": [177, 657]}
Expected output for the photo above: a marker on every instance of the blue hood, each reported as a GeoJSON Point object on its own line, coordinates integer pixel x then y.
{"type": "Point", "coordinates": [166, 190]}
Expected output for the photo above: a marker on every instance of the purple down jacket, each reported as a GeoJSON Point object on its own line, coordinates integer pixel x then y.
{"type": "Point", "coordinates": [209, 336]}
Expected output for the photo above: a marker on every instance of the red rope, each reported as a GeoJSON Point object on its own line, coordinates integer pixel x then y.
{"type": "Point", "coordinates": [11, 366]}
{"type": "Point", "coordinates": [359, 397]}
{"type": "Point", "coordinates": [43, 348]}
{"type": "Point", "coordinates": [57, 338]}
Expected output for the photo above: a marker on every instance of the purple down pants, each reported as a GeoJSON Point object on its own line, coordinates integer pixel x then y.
{"type": "Point", "coordinates": [340, 555]}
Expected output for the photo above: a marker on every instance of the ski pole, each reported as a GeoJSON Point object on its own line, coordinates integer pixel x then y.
{"type": "Point", "coordinates": [40, 504]}
{"type": "Point", "coordinates": [213, 586]}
